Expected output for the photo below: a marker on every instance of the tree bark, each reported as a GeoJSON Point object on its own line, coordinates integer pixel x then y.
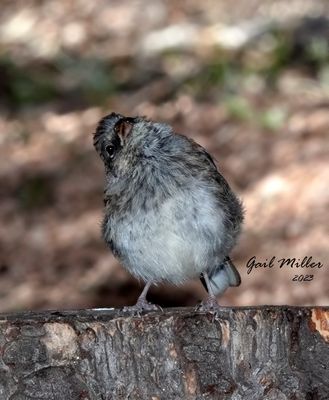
{"type": "Point", "coordinates": [269, 352]}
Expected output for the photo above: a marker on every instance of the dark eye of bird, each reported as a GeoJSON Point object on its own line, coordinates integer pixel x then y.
{"type": "Point", "coordinates": [110, 151]}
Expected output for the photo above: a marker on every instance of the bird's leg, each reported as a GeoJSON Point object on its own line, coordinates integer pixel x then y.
{"type": "Point", "coordinates": [210, 304]}
{"type": "Point", "coordinates": [142, 304]}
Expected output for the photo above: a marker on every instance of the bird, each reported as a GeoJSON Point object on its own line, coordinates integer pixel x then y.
{"type": "Point", "coordinates": [169, 214]}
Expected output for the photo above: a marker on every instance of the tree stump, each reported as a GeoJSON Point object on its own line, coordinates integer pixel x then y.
{"type": "Point", "coordinates": [269, 352]}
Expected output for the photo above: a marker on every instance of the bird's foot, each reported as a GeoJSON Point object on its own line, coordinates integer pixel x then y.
{"type": "Point", "coordinates": [141, 306]}
{"type": "Point", "coordinates": [209, 305]}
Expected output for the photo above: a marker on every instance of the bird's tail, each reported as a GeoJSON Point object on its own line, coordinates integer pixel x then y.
{"type": "Point", "coordinates": [222, 277]}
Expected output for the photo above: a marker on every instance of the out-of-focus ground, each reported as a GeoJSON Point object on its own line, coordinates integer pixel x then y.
{"type": "Point", "coordinates": [247, 80]}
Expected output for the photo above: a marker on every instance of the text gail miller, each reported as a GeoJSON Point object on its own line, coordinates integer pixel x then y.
{"type": "Point", "coordinates": [306, 262]}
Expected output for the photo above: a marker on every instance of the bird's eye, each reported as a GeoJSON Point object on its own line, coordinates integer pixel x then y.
{"type": "Point", "coordinates": [109, 151]}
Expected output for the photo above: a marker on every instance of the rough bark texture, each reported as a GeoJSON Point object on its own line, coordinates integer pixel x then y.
{"type": "Point", "coordinates": [246, 353]}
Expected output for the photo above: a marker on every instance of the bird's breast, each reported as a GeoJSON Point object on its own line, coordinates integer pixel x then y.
{"type": "Point", "coordinates": [174, 241]}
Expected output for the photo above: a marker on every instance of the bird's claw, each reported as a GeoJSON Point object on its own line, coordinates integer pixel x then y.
{"type": "Point", "coordinates": [141, 306]}
{"type": "Point", "coordinates": [209, 305]}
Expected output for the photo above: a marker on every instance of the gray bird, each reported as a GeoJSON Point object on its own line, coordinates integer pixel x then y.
{"type": "Point", "coordinates": [169, 214]}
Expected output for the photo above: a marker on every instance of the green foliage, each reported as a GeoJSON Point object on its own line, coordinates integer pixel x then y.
{"type": "Point", "coordinates": [88, 80]}
{"type": "Point", "coordinates": [280, 57]}
{"type": "Point", "coordinates": [239, 108]}
{"type": "Point", "coordinates": [36, 192]}
{"type": "Point", "coordinates": [91, 78]}
{"type": "Point", "coordinates": [273, 119]}
{"type": "Point", "coordinates": [318, 50]}
{"type": "Point", "coordinates": [25, 86]}
{"type": "Point", "coordinates": [324, 75]}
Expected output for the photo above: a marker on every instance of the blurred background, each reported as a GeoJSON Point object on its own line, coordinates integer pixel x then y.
{"type": "Point", "coordinates": [249, 82]}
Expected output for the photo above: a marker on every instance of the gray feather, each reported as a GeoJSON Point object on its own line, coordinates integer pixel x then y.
{"type": "Point", "coordinates": [223, 276]}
